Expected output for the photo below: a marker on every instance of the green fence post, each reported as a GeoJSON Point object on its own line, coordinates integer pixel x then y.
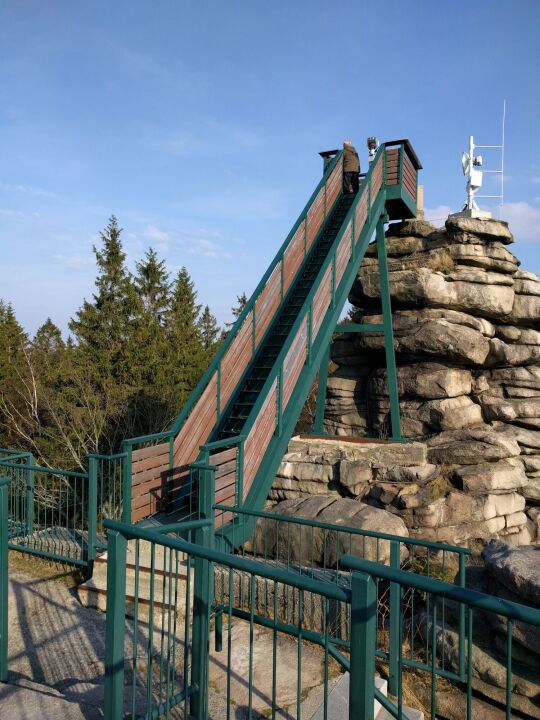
{"type": "Point", "coordinates": [394, 641]}
{"type": "Point", "coordinates": [30, 479]}
{"type": "Point", "coordinates": [115, 626]}
{"type": "Point", "coordinates": [92, 510]}
{"type": "Point", "coordinates": [126, 483]}
{"type": "Point", "coordinates": [4, 483]}
{"type": "Point", "coordinates": [202, 600]}
{"type": "Point", "coordinates": [462, 579]}
{"type": "Point", "coordinates": [388, 330]}
{"type": "Point", "coordinates": [363, 639]}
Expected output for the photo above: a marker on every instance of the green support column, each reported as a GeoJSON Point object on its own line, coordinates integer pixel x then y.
{"type": "Point", "coordinates": [30, 496]}
{"type": "Point", "coordinates": [4, 482]}
{"type": "Point", "coordinates": [92, 513]}
{"type": "Point", "coordinates": [115, 626]}
{"type": "Point", "coordinates": [388, 330]}
{"type": "Point", "coordinates": [126, 483]}
{"type": "Point", "coordinates": [363, 646]}
{"type": "Point", "coordinates": [321, 393]}
{"type": "Point", "coordinates": [203, 592]}
{"type": "Point", "coordinates": [394, 639]}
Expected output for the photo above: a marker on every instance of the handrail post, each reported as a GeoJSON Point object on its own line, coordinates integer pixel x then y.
{"type": "Point", "coordinates": [393, 642]}
{"type": "Point", "coordinates": [203, 591]}
{"type": "Point", "coordinates": [30, 480]}
{"type": "Point", "coordinates": [115, 626]}
{"type": "Point", "coordinates": [462, 579]}
{"type": "Point", "coordinates": [127, 448]}
{"type": "Point", "coordinates": [363, 645]}
{"type": "Point", "coordinates": [92, 511]}
{"type": "Point", "coordinates": [4, 485]}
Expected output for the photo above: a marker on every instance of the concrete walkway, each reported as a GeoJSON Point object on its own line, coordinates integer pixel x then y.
{"type": "Point", "coordinates": [57, 650]}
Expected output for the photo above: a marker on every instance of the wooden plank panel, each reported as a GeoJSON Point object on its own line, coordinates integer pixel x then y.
{"type": "Point", "coordinates": [321, 301]}
{"type": "Point", "coordinates": [142, 477]}
{"type": "Point", "coordinates": [343, 253]}
{"type": "Point", "coordinates": [267, 303]}
{"type": "Point", "coordinates": [294, 362]}
{"type": "Point", "coordinates": [361, 216]}
{"type": "Point", "coordinates": [315, 218]}
{"type": "Point", "coordinates": [152, 482]}
{"type": "Point", "coordinates": [376, 178]}
{"type": "Point", "coordinates": [148, 452]}
{"type": "Point", "coordinates": [148, 463]}
{"type": "Point", "coordinates": [236, 360]}
{"type": "Point", "coordinates": [259, 437]}
{"type": "Point", "coordinates": [293, 256]}
{"type": "Point", "coordinates": [224, 456]}
{"type": "Point", "coordinates": [333, 186]}
{"type": "Point", "coordinates": [197, 426]}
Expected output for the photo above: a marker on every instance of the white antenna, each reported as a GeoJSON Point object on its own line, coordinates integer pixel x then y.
{"type": "Point", "coordinates": [471, 164]}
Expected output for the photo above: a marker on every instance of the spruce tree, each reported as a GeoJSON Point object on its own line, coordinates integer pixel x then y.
{"type": "Point", "coordinates": [210, 333]}
{"type": "Point", "coordinates": [186, 357]}
{"type": "Point", "coordinates": [13, 346]}
{"type": "Point", "coordinates": [148, 403]}
{"type": "Point", "coordinates": [103, 329]}
{"type": "Point", "coordinates": [106, 335]}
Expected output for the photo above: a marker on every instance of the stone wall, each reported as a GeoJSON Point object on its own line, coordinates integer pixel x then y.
{"type": "Point", "coordinates": [467, 347]}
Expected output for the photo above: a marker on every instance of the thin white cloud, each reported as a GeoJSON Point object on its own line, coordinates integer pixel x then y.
{"type": "Point", "coordinates": [439, 214]}
{"type": "Point", "coordinates": [536, 180]}
{"type": "Point", "coordinates": [29, 190]}
{"type": "Point", "coordinates": [154, 233]}
{"type": "Point", "coordinates": [74, 262]}
{"type": "Point", "coordinates": [215, 139]}
{"type": "Point", "coordinates": [18, 214]}
{"type": "Point", "coordinates": [524, 221]}
{"type": "Point", "coordinates": [208, 248]}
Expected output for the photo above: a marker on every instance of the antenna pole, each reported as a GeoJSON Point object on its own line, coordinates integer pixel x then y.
{"type": "Point", "coordinates": [502, 161]}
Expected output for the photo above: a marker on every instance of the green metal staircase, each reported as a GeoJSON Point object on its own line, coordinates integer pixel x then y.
{"type": "Point", "coordinates": [249, 391]}
{"type": "Point", "coordinates": [227, 443]}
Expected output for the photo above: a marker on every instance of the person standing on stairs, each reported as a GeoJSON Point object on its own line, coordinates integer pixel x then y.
{"type": "Point", "coordinates": [351, 167]}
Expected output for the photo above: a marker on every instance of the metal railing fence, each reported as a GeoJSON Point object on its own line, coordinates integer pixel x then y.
{"type": "Point", "coordinates": [314, 549]}
{"type": "Point", "coordinates": [185, 612]}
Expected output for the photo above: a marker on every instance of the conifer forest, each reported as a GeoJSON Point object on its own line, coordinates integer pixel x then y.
{"type": "Point", "coordinates": [135, 351]}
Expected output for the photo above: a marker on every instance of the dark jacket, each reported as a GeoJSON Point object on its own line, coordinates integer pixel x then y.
{"type": "Point", "coordinates": [351, 163]}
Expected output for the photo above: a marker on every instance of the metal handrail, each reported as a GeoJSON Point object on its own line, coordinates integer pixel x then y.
{"type": "Point", "coordinates": [472, 598]}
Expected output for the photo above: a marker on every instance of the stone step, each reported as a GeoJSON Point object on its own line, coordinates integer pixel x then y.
{"type": "Point", "coordinates": [93, 592]}
{"type": "Point", "coordinates": [338, 702]}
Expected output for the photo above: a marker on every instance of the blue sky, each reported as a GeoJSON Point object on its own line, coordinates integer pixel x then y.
{"type": "Point", "coordinates": [198, 124]}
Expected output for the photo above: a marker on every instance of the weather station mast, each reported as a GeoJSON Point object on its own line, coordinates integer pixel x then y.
{"type": "Point", "coordinates": [471, 165]}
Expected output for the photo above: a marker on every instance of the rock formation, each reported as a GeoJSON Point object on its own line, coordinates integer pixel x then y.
{"type": "Point", "coordinates": [467, 345]}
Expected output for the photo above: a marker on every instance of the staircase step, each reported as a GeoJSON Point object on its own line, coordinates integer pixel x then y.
{"type": "Point", "coordinates": [93, 592]}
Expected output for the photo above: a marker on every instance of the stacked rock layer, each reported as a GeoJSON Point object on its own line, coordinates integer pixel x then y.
{"type": "Point", "coordinates": [467, 341]}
